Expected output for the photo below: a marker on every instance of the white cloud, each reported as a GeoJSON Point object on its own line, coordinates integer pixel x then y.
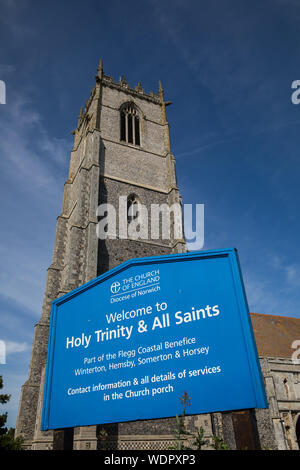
{"type": "Point", "coordinates": [293, 274]}
{"type": "Point", "coordinates": [215, 141]}
{"type": "Point", "coordinates": [27, 149]}
{"type": "Point", "coordinates": [6, 69]}
{"type": "Point", "coordinates": [273, 294]}
{"type": "Point", "coordinates": [237, 78]}
{"type": "Point", "coordinates": [12, 18]}
{"type": "Point", "coordinates": [33, 165]}
{"type": "Point", "coordinates": [290, 272]}
{"type": "Point", "coordinates": [260, 295]}
{"type": "Point", "coordinates": [14, 347]}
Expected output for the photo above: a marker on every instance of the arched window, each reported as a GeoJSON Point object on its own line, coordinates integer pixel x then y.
{"type": "Point", "coordinates": [132, 207]}
{"type": "Point", "coordinates": [130, 124]}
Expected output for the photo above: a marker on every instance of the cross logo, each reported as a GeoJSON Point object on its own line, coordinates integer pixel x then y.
{"type": "Point", "coordinates": [115, 287]}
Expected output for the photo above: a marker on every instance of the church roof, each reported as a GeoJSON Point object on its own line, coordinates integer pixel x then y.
{"type": "Point", "coordinates": [275, 334]}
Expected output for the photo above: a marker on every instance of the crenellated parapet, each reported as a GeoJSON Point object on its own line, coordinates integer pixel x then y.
{"type": "Point", "coordinates": [137, 91]}
{"type": "Point", "coordinates": [122, 85]}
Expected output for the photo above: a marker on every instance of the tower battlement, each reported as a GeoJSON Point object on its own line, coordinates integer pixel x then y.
{"type": "Point", "coordinates": [122, 86]}
{"type": "Point", "coordinates": [138, 90]}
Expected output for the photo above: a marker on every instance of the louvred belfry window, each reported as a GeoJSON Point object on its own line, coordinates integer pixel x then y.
{"type": "Point", "coordinates": [130, 125]}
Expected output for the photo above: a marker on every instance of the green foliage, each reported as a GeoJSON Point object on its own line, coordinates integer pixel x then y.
{"type": "Point", "coordinates": [3, 429]}
{"type": "Point", "coordinates": [8, 441]}
{"type": "Point", "coordinates": [180, 430]}
{"type": "Point", "coordinates": [3, 398]}
{"type": "Point", "coordinates": [199, 440]}
{"type": "Point", "coordinates": [219, 444]}
{"type": "Point", "coordinates": [3, 417]}
{"type": "Point", "coordinates": [7, 436]}
{"type": "Point", "coordinates": [185, 401]}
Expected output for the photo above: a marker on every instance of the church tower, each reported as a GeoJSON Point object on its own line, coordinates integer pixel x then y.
{"type": "Point", "coordinates": [121, 148]}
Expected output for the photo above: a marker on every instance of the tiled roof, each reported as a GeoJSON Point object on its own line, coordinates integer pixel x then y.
{"type": "Point", "coordinates": [275, 334]}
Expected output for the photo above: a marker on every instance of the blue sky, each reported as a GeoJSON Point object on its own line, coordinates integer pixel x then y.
{"type": "Point", "coordinates": [226, 65]}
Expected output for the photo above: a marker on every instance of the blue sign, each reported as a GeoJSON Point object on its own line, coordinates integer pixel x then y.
{"type": "Point", "coordinates": [128, 344]}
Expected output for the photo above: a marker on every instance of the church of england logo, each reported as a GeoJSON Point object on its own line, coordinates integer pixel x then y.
{"type": "Point", "coordinates": [115, 287]}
